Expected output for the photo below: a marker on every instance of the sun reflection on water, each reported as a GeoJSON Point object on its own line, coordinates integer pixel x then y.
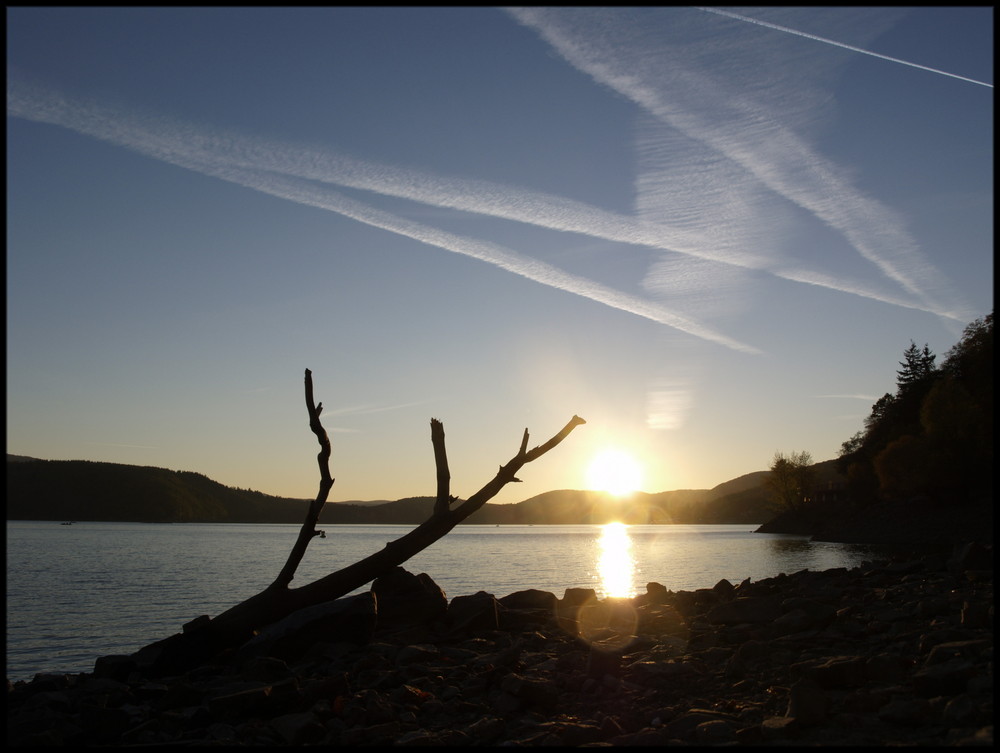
{"type": "Point", "coordinates": [615, 564]}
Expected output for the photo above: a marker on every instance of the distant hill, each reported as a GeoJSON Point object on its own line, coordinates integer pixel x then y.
{"type": "Point", "coordinates": [85, 490]}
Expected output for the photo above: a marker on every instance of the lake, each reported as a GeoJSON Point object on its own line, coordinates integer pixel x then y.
{"type": "Point", "coordinates": [77, 592]}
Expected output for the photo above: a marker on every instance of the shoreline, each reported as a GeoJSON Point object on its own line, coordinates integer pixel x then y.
{"type": "Point", "coordinates": [891, 652]}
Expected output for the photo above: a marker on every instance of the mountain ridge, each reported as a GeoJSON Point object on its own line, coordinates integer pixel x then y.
{"type": "Point", "coordinates": [81, 490]}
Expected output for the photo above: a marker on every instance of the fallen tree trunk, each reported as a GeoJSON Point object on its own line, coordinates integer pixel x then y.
{"type": "Point", "coordinates": [205, 638]}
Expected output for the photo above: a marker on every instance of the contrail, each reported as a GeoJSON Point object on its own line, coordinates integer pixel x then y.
{"type": "Point", "coordinates": [186, 147]}
{"type": "Point", "coordinates": [688, 100]}
{"type": "Point", "coordinates": [840, 44]}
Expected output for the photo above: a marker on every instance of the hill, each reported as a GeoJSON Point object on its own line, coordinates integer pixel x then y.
{"type": "Point", "coordinates": [86, 490]}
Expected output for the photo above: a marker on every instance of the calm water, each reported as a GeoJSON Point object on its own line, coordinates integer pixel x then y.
{"type": "Point", "coordinates": [76, 592]}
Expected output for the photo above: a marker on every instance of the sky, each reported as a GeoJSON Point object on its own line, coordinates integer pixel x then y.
{"type": "Point", "coordinates": [709, 232]}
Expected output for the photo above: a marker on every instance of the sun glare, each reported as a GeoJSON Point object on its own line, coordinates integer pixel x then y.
{"type": "Point", "coordinates": [614, 471]}
{"type": "Point", "coordinates": [615, 564]}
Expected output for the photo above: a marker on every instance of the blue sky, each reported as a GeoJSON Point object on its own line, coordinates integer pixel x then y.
{"type": "Point", "coordinates": [709, 232]}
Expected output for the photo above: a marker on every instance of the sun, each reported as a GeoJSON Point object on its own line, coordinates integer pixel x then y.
{"type": "Point", "coordinates": [614, 471]}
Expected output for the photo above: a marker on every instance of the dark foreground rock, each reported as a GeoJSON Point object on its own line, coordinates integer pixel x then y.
{"type": "Point", "coordinates": [890, 653]}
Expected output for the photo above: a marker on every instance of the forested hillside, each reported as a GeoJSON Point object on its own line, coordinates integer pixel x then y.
{"type": "Point", "coordinates": [83, 490]}
{"type": "Point", "coordinates": [933, 437]}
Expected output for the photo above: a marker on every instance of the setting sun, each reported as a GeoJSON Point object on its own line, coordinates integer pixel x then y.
{"type": "Point", "coordinates": [614, 471]}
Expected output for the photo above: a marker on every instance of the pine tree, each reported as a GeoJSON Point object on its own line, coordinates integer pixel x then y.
{"type": "Point", "coordinates": [917, 368]}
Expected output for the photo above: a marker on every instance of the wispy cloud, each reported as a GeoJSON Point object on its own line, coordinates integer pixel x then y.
{"type": "Point", "coordinates": [744, 140]}
{"type": "Point", "coordinates": [716, 220]}
{"type": "Point", "coordinates": [293, 174]}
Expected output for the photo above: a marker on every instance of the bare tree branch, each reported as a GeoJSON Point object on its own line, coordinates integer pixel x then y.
{"type": "Point", "coordinates": [444, 499]}
{"type": "Point", "coordinates": [238, 623]}
{"type": "Point", "coordinates": [308, 530]}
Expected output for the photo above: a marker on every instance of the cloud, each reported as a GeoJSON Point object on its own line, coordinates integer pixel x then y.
{"type": "Point", "coordinates": [740, 134]}
{"type": "Point", "coordinates": [293, 174]}
{"type": "Point", "coordinates": [701, 212]}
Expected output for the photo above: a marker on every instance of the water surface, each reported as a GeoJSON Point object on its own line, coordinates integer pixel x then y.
{"type": "Point", "coordinates": [76, 592]}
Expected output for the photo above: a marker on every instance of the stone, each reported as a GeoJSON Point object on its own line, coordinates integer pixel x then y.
{"type": "Point", "coordinates": [715, 732]}
{"type": "Point", "coordinates": [531, 598]}
{"type": "Point", "coordinates": [946, 678]}
{"type": "Point", "coordinates": [351, 619]}
{"type": "Point", "coordinates": [481, 611]}
{"type": "Point", "coordinates": [779, 727]}
{"type": "Point", "coordinates": [833, 672]}
{"type": "Point", "coordinates": [656, 593]}
{"type": "Point", "coordinates": [658, 619]}
{"type": "Point", "coordinates": [807, 702]}
{"type": "Point", "coordinates": [906, 711]}
{"type": "Point", "coordinates": [601, 662]}
{"type": "Point", "coordinates": [117, 667]}
{"type": "Point", "coordinates": [574, 597]}
{"type": "Point", "coordinates": [407, 598]}
{"type": "Point", "coordinates": [744, 609]}
{"type": "Point", "coordinates": [972, 555]}
{"type": "Point", "coordinates": [241, 703]}
{"type": "Point", "coordinates": [724, 590]}
{"type": "Point", "coordinates": [298, 729]}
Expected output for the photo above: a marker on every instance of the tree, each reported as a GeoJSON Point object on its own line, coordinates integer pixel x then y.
{"type": "Point", "coordinates": [904, 468]}
{"type": "Point", "coordinates": [790, 480]}
{"type": "Point", "coordinates": [934, 436]}
{"type": "Point", "coordinates": [206, 638]}
{"type": "Point", "coordinates": [917, 368]}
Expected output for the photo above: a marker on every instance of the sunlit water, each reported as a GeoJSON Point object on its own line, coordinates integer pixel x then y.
{"type": "Point", "coordinates": [85, 590]}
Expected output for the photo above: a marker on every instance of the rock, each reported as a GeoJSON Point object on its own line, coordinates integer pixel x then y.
{"type": "Point", "coordinates": [299, 729]}
{"type": "Point", "coordinates": [723, 589]}
{"type": "Point", "coordinates": [656, 593]}
{"type": "Point", "coordinates": [833, 672]}
{"type": "Point", "coordinates": [407, 598]}
{"type": "Point", "coordinates": [807, 702]}
{"type": "Point", "coordinates": [744, 609]}
{"type": "Point", "coordinates": [477, 612]}
{"type": "Point", "coordinates": [531, 598]}
{"type": "Point", "coordinates": [909, 711]}
{"type": "Point", "coordinates": [574, 597]}
{"type": "Point", "coordinates": [971, 556]}
{"type": "Point", "coordinates": [601, 662]}
{"type": "Point", "coordinates": [351, 619]}
{"type": "Point", "coordinates": [715, 732]}
{"type": "Point", "coordinates": [117, 667]}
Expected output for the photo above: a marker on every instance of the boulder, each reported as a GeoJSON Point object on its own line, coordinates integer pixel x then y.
{"type": "Point", "coordinates": [408, 599]}
{"type": "Point", "coordinates": [480, 611]}
{"type": "Point", "coordinates": [531, 598]}
{"type": "Point", "coordinates": [350, 620]}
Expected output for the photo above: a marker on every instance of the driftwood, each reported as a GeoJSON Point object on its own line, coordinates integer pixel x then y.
{"type": "Point", "coordinates": [205, 638]}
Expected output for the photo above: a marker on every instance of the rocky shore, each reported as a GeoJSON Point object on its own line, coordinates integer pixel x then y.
{"type": "Point", "coordinates": [895, 652]}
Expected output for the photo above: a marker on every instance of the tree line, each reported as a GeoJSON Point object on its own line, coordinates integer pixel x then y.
{"type": "Point", "coordinates": [931, 439]}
